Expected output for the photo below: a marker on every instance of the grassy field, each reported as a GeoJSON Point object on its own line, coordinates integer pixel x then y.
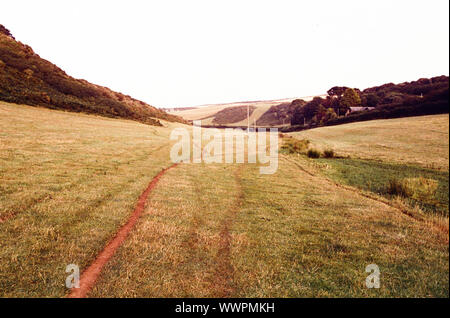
{"type": "Point", "coordinates": [69, 181]}
{"type": "Point", "coordinates": [221, 230]}
{"type": "Point", "coordinates": [375, 176]}
{"type": "Point", "coordinates": [371, 155]}
{"type": "Point", "coordinates": [422, 141]}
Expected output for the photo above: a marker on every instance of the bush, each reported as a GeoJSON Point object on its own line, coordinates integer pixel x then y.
{"type": "Point", "coordinates": [397, 187]}
{"type": "Point", "coordinates": [293, 145]}
{"type": "Point", "coordinates": [420, 189]}
{"type": "Point", "coordinates": [328, 153]}
{"type": "Point", "coordinates": [425, 108]}
{"type": "Point", "coordinates": [313, 153]}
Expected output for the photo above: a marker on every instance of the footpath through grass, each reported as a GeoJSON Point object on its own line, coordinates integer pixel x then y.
{"type": "Point", "coordinates": [225, 230]}
{"type": "Point", "coordinates": [68, 182]}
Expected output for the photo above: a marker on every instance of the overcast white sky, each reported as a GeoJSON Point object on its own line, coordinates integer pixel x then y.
{"type": "Point", "coordinates": [183, 53]}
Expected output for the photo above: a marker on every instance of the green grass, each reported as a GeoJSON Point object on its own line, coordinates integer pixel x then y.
{"type": "Point", "coordinates": [375, 176]}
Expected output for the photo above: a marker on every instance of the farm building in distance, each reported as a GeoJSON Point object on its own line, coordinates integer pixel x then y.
{"type": "Point", "coordinates": [358, 109]}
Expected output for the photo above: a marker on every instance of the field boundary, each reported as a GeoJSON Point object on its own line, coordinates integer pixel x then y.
{"type": "Point", "coordinates": [90, 275]}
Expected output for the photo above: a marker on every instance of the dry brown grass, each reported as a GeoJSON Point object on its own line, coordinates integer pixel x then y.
{"type": "Point", "coordinates": [68, 182]}
{"type": "Point", "coordinates": [293, 235]}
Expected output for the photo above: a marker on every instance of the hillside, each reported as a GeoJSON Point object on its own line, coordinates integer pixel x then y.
{"type": "Point", "coordinates": [279, 114]}
{"type": "Point", "coordinates": [232, 114]}
{"type": "Point", "coordinates": [208, 113]}
{"type": "Point", "coordinates": [25, 78]}
{"type": "Point", "coordinates": [426, 96]}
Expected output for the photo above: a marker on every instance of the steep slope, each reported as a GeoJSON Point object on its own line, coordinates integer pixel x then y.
{"type": "Point", "coordinates": [25, 78]}
{"type": "Point", "coordinates": [232, 115]}
{"type": "Point", "coordinates": [279, 114]}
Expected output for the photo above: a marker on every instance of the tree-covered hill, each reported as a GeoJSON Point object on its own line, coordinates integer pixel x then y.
{"type": "Point", "coordinates": [25, 78]}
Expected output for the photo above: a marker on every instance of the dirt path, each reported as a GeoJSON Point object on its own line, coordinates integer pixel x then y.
{"type": "Point", "coordinates": [223, 279]}
{"type": "Point", "coordinates": [91, 274]}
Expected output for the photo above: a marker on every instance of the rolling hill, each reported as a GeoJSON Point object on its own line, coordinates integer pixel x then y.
{"type": "Point", "coordinates": [226, 114]}
{"type": "Point", "coordinates": [425, 96]}
{"type": "Point", "coordinates": [26, 78]}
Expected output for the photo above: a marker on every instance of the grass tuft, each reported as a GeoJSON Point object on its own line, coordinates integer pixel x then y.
{"type": "Point", "coordinates": [293, 145]}
{"type": "Point", "coordinates": [419, 189]}
{"type": "Point", "coordinates": [397, 187]}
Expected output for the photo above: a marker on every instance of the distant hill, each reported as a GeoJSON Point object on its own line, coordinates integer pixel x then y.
{"type": "Point", "coordinates": [426, 96]}
{"type": "Point", "coordinates": [232, 114]}
{"type": "Point", "coordinates": [263, 113]}
{"type": "Point", "coordinates": [278, 115]}
{"type": "Point", "coordinates": [25, 78]}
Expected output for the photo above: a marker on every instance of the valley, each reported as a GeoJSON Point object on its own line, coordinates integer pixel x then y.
{"type": "Point", "coordinates": [71, 181]}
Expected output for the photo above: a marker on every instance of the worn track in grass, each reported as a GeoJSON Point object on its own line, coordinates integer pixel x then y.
{"type": "Point", "coordinates": [224, 269]}
{"type": "Point", "coordinates": [91, 274]}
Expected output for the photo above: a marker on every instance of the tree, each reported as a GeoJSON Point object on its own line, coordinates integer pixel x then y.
{"type": "Point", "coordinates": [311, 109]}
{"type": "Point", "coordinates": [321, 113]}
{"type": "Point", "coordinates": [337, 91]}
{"type": "Point", "coordinates": [329, 115]}
{"type": "Point", "coordinates": [350, 99]}
{"type": "Point", "coordinates": [307, 112]}
{"type": "Point", "coordinates": [298, 117]}
{"type": "Point", "coordinates": [5, 31]}
{"type": "Point", "coordinates": [372, 100]}
{"type": "Point", "coordinates": [296, 108]}
{"type": "Point", "coordinates": [298, 102]}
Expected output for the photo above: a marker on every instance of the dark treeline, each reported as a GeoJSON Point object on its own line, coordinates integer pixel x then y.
{"type": "Point", "coordinates": [422, 97]}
